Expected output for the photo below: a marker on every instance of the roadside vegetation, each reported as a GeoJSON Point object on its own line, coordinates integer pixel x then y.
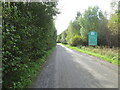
{"type": "Point", "coordinates": [104, 53]}
{"type": "Point", "coordinates": [93, 19]}
{"type": "Point", "coordinates": [29, 71]}
{"type": "Point", "coordinates": [28, 35]}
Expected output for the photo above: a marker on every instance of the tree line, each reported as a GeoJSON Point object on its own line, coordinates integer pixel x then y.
{"type": "Point", "coordinates": [93, 19]}
{"type": "Point", "coordinates": [28, 33]}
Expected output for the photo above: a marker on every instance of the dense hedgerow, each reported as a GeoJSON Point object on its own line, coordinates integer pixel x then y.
{"type": "Point", "coordinates": [28, 33]}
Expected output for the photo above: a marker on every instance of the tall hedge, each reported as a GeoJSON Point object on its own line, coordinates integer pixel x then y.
{"type": "Point", "coordinates": [28, 33]}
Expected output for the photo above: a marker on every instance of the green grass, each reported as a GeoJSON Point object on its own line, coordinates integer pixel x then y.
{"type": "Point", "coordinates": [104, 53]}
{"type": "Point", "coordinates": [29, 72]}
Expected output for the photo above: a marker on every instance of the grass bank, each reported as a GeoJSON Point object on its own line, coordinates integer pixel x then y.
{"type": "Point", "coordinates": [29, 71]}
{"type": "Point", "coordinates": [104, 53]}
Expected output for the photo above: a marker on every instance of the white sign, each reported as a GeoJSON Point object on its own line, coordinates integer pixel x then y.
{"type": "Point", "coordinates": [92, 33]}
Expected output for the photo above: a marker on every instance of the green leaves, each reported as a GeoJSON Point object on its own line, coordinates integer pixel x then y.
{"type": "Point", "coordinates": [28, 33]}
{"type": "Point", "coordinates": [93, 19]}
{"type": "Point", "coordinates": [76, 40]}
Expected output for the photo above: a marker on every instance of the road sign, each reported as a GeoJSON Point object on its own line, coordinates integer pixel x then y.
{"type": "Point", "coordinates": [92, 38]}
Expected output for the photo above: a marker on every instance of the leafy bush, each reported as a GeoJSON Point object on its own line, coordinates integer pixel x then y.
{"type": "Point", "coordinates": [28, 34]}
{"type": "Point", "coordinates": [76, 40]}
{"type": "Point", "coordinates": [63, 37]}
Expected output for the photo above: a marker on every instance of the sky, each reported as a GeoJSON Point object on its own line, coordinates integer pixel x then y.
{"type": "Point", "coordinates": [69, 8]}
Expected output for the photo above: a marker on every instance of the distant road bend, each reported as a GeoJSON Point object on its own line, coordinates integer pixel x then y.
{"type": "Point", "coordinates": [66, 68]}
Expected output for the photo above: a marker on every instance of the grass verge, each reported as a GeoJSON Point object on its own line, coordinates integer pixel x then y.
{"type": "Point", "coordinates": [30, 71]}
{"type": "Point", "coordinates": [98, 52]}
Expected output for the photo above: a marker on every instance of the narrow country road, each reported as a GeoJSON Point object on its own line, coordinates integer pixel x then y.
{"type": "Point", "coordinates": [66, 68]}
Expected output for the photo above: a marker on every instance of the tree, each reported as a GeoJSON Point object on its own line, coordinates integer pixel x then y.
{"type": "Point", "coordinates": [59, 38]}
{"type": "Point", "coordinates": [63, 37]}
{"type": "Point", "coordinates": [113, 26]}
{"type": "Point", "coordinates": [76, 40]}
{"type": "Point", "coordinates": [72, 30]}
{"type": "Point", "coordinates": [93, 20]}
{"type": "Point", "coordinates": [28, 33]}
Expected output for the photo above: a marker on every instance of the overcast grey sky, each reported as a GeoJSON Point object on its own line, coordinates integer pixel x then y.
{"type": "Point", "coordinates": [69, 8]}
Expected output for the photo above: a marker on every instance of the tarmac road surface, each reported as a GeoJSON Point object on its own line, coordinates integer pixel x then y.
{"type": "Point", "coordinates": [66, 68]}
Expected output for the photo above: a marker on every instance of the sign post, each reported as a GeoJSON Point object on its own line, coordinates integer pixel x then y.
{"type": "Point", "coordinates": [92, 38]}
